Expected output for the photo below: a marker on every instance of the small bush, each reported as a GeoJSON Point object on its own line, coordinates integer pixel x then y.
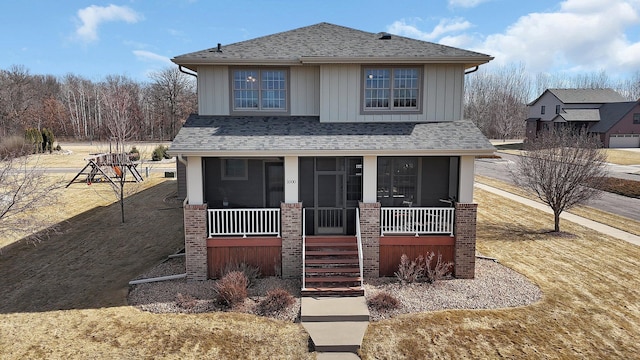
{"type": "Point", "coordinates": [134, 154]}
{"type": "Point", "coordinates": [383, 301]}
{"type": "Point", "coordinates": [437, 272]}
{"type": "Point", "coordinates": [186, 302]}
{"type": "Point", "coordinates": [57, 148]}
{"type": "Point", "coordinates": [275, 301]}
{"type": "Point", "coordinates": [159, 153]}
{"type": "Point", "coordinates": [232, 288]}
{"type": "Point", "coordinates": [410, 271]}
{"type": "Point", "coordinates": [251, 272]}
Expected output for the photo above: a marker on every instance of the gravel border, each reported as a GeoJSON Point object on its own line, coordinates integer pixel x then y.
{"type": "Point", "coordinates": [495, 286]}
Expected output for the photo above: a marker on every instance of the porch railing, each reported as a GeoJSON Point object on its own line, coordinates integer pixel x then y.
{"type": "Point", "coordinates": [230, 222]}
{"type": "Point", "coordinates": [359, 238]}
{"type": "Point", "coordinates": [416, 220]}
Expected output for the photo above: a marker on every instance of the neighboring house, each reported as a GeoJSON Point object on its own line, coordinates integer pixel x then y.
{"type": "Point", "coordinates": [322, 134]}
{"type": "Point", "coordinates": [599, 111]}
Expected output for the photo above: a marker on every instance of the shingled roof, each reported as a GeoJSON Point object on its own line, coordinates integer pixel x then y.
{"type": "Point", "coordinates": [329, 43]}
{"type": "Point", "coordinates": [300, 135]}
{"type": "Point", "coordinates": [610, 114]}
{"type": "Point", "coordinates": [584, 96]}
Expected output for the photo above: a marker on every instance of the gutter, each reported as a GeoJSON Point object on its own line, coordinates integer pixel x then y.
{"type": "Point", "coordinates": [472, 70]}
{"type": "Point", "coordinates": [186, 72]}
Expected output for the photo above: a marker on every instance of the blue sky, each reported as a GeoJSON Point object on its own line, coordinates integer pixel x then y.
{"type": "Point", "coordinates": [134, 37]}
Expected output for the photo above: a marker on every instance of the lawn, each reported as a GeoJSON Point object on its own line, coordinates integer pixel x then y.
{"type": "Point", "coordinates": [590, 308]}
{"type": "Point", "coordinates": [623, 157]}
{"type": "Point", "coordinates": [66, 297]}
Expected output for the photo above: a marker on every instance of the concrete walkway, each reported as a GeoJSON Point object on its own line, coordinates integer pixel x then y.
{"type": "Point", "coordinates": [336, 325]}
{"type": "Point", "coordinates": [594, 225]}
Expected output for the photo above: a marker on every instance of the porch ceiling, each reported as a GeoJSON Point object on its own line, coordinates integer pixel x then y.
{"type": "Point", "coordinates": [300, 135]}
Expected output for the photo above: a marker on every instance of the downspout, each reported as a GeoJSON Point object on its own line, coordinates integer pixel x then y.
{"type": "Point", "coordinates": [187, 72]}
{"type": "Point", "coordinates": [184, 162]}
{"type": "Point", "coordinates": [472, 70]}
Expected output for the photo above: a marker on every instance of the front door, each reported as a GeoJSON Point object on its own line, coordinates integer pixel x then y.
{"type": "Point", "coordinates": [274, 184]}
{"type": "Point", "coordinates": [330, 197]}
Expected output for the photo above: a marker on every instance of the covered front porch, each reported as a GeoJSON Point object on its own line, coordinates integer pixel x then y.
{"type": "Point", "coordinates": [264, 214]}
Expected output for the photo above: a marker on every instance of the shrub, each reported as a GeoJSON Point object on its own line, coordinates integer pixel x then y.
{"type": "Point", "coordinates": [410, 271]}
{"type": "Point", "coordinates": [134, 154]}
{"type": "Point", "coordinates": [231, 289]}
{"type": "Point", "coordinates": [439, 270]}
{"type": "Point", "coordinates": [275, 301]}
{"type": "Point", "coordinates": [186, 302]}
{"type": "Point", "coordinates": [57, 148]}
{"type": "Point", "coordinates": [383, 301]}
{"type": "Point", "coordinates": [159, 153]}
{"type": "Point", "coordinates": [251, 272]}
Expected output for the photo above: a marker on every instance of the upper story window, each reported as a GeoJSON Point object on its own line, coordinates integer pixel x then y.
{"type": "Point", "coordinates": [542, 109]}
{"type": "Point", "coordinates": [557, 109]}
{"type": "Point", "coordinates": [259, 89]}
{"type": "Point", "coordinates": [636, 118]}
{"type": "Point", "coordinates": [391, 89]}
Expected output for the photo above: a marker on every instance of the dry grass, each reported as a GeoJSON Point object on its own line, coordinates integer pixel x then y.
{"type": "Point", "coordinates": [65, 298]}
{"type": "Point", "coordinates": [590, 307]}
{"type": "Point", "coordinates": [613, 220]}
{"type": "Point", "coordinates": [623, 157]}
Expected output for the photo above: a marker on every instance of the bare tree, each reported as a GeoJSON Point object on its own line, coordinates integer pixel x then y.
{"type": "Point", "coordinates": [122, 118]}
{"type": "Point", "coordinates": [564, 168]}
{"type": "Point", "coordinates": [23, 191]}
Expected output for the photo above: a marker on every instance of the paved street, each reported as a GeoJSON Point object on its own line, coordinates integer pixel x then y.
{"type": "Point", "coordinates": [613, 203]}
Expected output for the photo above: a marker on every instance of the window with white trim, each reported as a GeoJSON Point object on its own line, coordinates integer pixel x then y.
{"type": "Point", "coordinates": [259, 89]}
{"type": "Point", "coordinates": [234, 169]}
{"type": "Point", "coordinates": [394, 89]}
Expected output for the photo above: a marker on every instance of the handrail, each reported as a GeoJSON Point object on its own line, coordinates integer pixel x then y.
{"type": "Point", "coordinates": [360, 255]}
{"type": "Point", "coordinates": [243, 222]}
{"type": "Point", "coordinates": [304, 248]}
{"type": "Point", "coordinates": [417, 220]}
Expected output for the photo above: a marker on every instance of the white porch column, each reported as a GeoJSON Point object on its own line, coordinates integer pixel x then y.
{"type": "Point", "coordinates": [369, 179]}
{"type": "Point", "coordinates": [195, 187]}
{"type": "Point", "coordinates": [467, 167]}
{"type": "Point", "coordinates": [291, 179]}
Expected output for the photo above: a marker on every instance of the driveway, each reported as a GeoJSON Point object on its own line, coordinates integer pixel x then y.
{"type": "Point", "coordinates": [613, 203]}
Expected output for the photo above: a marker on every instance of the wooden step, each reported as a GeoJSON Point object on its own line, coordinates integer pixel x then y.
{"type": "Point", "coordinates": [333, 279]}
{"type": "Point", "coordinates": [332, 261]}
{"type": "Point", "coordinates": [333, 291]}
{"type": "Point", "coordinates": [332, 245]}
{"type": "Point", "coordinates": [337, 270]}
{"type": "Point", "coordinates": [332, 252]}
{"type": "Point", "coordinates": [331, 239]}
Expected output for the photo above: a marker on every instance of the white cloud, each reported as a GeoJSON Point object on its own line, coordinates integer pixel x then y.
{"type": "Point", "coordinates": [583, 35]}
{"type": "Point", "coordinates": [580, 36]}
{"type": "Point", "coordinates": [401, 27]}
{"type": "Point", "coordinates": [466, 3]}
{"type": "Point", "coordinates": [148, 56]}
{"type": "Point", "coordinates": [91, 17]}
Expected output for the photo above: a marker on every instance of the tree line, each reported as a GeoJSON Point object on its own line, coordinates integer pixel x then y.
{"type": "Point", "coordinates": [496, 100]}
{"type": "Point", "coordinates": [76, 108]}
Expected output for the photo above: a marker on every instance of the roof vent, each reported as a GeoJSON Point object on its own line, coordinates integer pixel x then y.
{"type": "Point", "coordinates": [385, 36]}
{"type": "Point", "coordinates": [219, 47]}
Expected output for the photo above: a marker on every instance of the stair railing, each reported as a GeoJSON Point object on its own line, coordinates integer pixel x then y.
{"type": "Point", "coordinates": [360, 256]}
{"type": "Point", "coordinates": [304, 248]}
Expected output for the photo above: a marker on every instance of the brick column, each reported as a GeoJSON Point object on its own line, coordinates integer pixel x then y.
{"type": "Point", "coordinates": [291, 232]}
{"type": "Point", "coordinates": [370, 232]}
{"type": "Point", "coordinates": [195, 241]}
{"type": "Point", "coordinates": [465, 248]}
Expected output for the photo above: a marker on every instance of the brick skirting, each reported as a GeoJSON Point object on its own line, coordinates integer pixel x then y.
{"type": "Point", "coordinates": [465, 248]}
{"type": "Point", "coordinates": [291, 232]}
{"type": "Point", "coordinates": [195, 241]}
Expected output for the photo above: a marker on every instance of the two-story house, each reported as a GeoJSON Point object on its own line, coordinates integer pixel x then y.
{"type": "Point", "coordinates": [599, 111]}
{"type": "Point", "coordinates": [326, 153]}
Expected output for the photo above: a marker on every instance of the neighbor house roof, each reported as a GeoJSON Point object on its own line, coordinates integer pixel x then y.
{"type": "Point", "coordinates": [306, 135]}
{"type": "Point", "coordinates": [329, 43]}
{"type": "Point", "coordinates": [583, 96]}
{"type": "Point", "coordinates": [611, 113]}
{"type": "Point", "coordinates": [578, 115]}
